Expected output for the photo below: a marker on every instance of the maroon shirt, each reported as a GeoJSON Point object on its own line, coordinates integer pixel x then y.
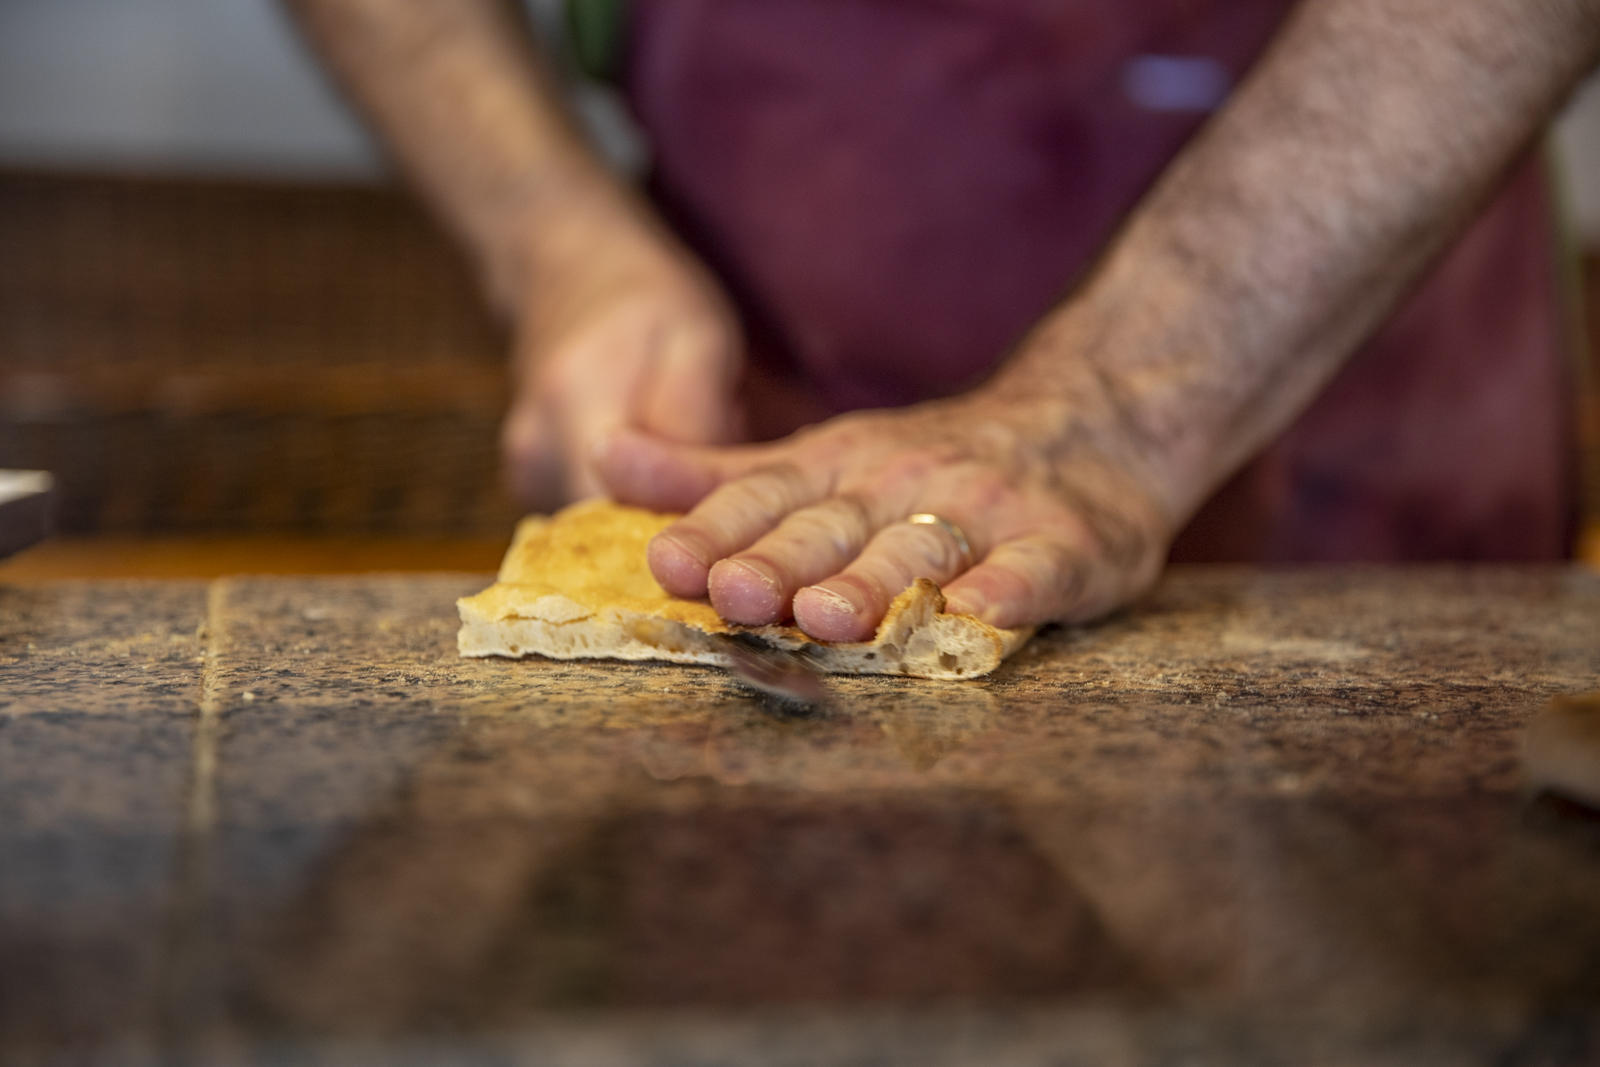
{"type": "Point", "coordinates": [895, 190]}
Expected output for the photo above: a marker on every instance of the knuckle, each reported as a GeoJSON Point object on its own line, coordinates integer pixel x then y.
{"type": "Point", "coordinates": [907, 467]}
{"type": "Point", "coordinates": [919, 554]}
{"type": "Point", "coordinates": [770, 491]}
{"type": "Point", "coordinates": [902, 553]}
{"type": "Point", "coordinates": [941, 552]}
{"type": "Point", "coordinates": [848, 516]}
{"type": "Point", "coordinates": [987, 491]}
{"type": "Point", "coordinates": [839, 524]}
{"type": "Point", "coordinates": [869, 574]}
{"type": "Point", "coordinates": [849, 508]}
{"type": "Point", "coordinates": [1045, 574]}
{"type": "Point", "coordinates": [1004, 584]}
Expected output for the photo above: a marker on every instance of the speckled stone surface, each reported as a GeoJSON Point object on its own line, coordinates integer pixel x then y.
{"type": "Point", "coordinates": [1261, 814]}
{"type": "Point", "coordinates": [99, 684]}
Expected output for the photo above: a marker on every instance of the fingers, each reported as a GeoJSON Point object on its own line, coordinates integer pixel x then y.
{"type": "Point", "coordinates": [849, 605]}
{"type": "Point", "coordinates": [729, 519]}
{"type": "Point", "coordinates": [1023, 581]}
{"type": "Point", "coordinates": [757, 585]}
{"type": "Point", "coordinates": [1046, 578]}
{"type": "Point", "coordinates": [765, 541]}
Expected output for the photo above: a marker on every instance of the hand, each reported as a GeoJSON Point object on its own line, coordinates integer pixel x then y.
{"type": "Point", "coordinates": [813, 525]}
{"type": "Point", "coordinates": [624, 331]}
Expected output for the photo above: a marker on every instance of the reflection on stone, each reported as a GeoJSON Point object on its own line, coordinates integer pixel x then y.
{"type": "Point", "coordinates": [772, 899]}
{"type": "Point", "coordinates": [674, 751]}
{"type": "Point", "coordinates": [1224, 850]}
{"type": "Point", "coordinates": [926, 731]}
{"type": "Point", "coordinates": [450, 908]}
{"type": "Point", "coordinates": [533, 870]}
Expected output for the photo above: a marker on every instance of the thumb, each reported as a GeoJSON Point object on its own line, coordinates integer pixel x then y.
{"type": "Point", "coordinates": [587, 393]}
{"type": "Point", "coordinates": [653, 473]}
{"type": "Point", "coordinates": [689, 395]}
{"type": "Point", "coordinates": [530, 455]}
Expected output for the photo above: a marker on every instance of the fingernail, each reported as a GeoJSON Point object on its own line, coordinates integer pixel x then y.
{"type": "Point", "coordinates": [757, 570]}
{"type": "Point", "coordinates": [837, 602]}
{"type": "Point", "coordinates": [691, 547]}
{"type": "Point", "coordinates": [747, 591]}
{"type": "Point", "coordinates": [677, 566]}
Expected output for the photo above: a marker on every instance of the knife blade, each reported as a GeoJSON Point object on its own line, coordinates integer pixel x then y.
{"type": "Point", "coordinates": [777, 672]}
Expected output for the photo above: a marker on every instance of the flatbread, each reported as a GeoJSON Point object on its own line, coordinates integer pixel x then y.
{"type": "Point", "coordinates": [577, 585]}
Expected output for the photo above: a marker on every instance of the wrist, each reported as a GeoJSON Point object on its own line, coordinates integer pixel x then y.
{"type": "Point", "coordinates": [554, 240]}
{"type": "Point", "coordinates": [1103, 384]}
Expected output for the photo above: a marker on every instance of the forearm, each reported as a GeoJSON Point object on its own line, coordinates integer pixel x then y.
{"type": "Point", "coordinates": [461, 97]}
{"type": "Point", "coordinates": [1283, 234]}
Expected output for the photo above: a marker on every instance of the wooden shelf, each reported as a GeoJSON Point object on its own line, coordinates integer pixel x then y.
{"type": "Point", "coordinates": [217, 556]}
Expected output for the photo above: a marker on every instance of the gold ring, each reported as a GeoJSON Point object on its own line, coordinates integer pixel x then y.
{"type": "Point", "coordinates": [924, 518]}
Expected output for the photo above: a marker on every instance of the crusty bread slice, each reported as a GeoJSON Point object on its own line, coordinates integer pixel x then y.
{"type": "Point", "coordinates": [577, 585]}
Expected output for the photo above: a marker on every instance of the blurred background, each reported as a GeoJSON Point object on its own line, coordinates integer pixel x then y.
{"type": "Point", "coordinates": [225, 326]}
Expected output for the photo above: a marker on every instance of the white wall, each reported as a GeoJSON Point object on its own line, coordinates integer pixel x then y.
{"type": "Point", "coordinates": [220, 86]}
{"type": "Point", "coordinates": [1578, 139]}
{"type": "Point", "coordinates": [225, 86]}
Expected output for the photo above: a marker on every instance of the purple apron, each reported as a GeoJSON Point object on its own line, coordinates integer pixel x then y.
{"type": "Point", "coordinates": [895, 190]}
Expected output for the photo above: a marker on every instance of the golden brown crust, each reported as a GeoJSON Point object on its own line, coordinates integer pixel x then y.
{"type": "Point", "coordinates": [578, 585]}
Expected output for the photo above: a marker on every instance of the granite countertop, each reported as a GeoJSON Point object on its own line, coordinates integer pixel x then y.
{"type": "Point", "coordinates": [1265, 816]}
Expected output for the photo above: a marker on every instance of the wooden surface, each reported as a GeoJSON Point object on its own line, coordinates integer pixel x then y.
{"type": "Point", "coordinates": [217, 556]}
{"type": "Point", "coordinates": [195, 356]}
{"type": "Point", "coordinates": [1264, 817]}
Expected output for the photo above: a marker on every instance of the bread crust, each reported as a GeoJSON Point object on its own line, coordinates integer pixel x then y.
{"type": "Point", "coordinates": [577, 585]}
